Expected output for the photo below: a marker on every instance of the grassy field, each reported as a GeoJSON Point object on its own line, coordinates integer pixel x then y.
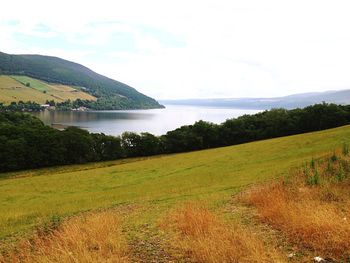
{"type": "Point", "coordinates": [30, 198]}
{"type": "Point", "coordinates": [13, 88]}
{"type": "Point", "coordinates": [34, 83]}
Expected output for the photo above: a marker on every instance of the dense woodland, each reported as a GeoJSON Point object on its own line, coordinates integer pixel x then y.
{"type": "Point", "coordinates": [21, 106]}
{"type": "Point", "coordinates": [25, 142]}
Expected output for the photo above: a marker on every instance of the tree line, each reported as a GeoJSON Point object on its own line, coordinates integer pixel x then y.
{"type": "Point", "coordinates": [25, 142]}
{"type": "Point", "coordinates": [67, 105]}
{"type": "Point", "coordinates": [21, 106]}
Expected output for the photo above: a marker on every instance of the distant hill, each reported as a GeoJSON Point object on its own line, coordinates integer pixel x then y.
{"type": "Point", "coordinates": [289, 102]}
{"type": "Point", "coordinates": [110, 94]}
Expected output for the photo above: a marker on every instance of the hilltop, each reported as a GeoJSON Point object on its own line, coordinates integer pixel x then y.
{"type": "Point", "coordinates": [110, 94]}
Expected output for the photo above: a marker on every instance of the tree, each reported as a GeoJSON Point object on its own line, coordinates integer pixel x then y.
{"type": "Point", "coordinates": [78, 145]}
{"type": "Point", "coordinates": [149, 144]}
{"type": "Point", "coordinates": [107, 147]}
{"type": "Point", "coordinates": [130, 143]}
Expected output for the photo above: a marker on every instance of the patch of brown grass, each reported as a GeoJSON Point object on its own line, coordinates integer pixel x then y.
{"type": "Point", "coordinates": [315, 217]}
{"type": "Point", "coordinates": [200, 236]}
{"type": "Point", "coordinates": [94, 237]}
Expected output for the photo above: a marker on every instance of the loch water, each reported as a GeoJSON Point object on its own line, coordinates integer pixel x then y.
{"type": "Point", "coordinates": [155, 121]}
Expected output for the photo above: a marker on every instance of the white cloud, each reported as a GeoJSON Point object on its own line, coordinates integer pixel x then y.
{"type": "Point", "coordinates": [227, 48]}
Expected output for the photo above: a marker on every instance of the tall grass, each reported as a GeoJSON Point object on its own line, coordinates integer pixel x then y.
{"type": "Point", "coordinates": [314, 216]}
{"type": "Point", "coordinates": [201, 236]}
{"type": "Point", "coordinates": [95, 237]}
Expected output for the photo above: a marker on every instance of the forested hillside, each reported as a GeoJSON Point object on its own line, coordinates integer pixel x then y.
{"type": "Point", "coordinates": [110, 94]}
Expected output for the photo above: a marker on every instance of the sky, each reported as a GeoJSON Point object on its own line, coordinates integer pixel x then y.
{"type": "Point", "coordinates": [191, 49]}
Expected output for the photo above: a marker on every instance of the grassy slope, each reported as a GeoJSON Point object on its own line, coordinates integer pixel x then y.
{"type": "Point", "coordinates": [34, 83]}
{"type": "Point", "coordinates": [211, 175]}
{"type": "Point", "coordinates": [13, 89]}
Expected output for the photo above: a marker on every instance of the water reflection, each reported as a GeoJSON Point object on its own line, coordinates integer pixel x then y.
{"type": "Point", "coordinates": [86, 116]}
{"type": "Point", "coordinates": [156, 121]}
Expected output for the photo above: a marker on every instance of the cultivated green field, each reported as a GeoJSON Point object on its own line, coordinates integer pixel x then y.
{"type": "Point", "coordinates": [34, 83]}
{"type": "Point", "coordinates": [31, 197]}
{"type": "Point", "coordinates": [14, 89]}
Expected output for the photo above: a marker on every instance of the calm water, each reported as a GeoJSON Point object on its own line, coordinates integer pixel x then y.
{"type": "Point", "coordinates": [157, 121]}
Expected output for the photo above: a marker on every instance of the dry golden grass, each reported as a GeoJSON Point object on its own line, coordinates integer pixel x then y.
{"type": "Point", "coordinates": [200, 236]}
{"type": "Point", "coordinates": [94, 237]}
{"type": "Point", "coordinates": [63, 92]}
{"type": "Point", "coordinates": [14, 89]}
{"type": "Point", "coordinates": [315, 217]}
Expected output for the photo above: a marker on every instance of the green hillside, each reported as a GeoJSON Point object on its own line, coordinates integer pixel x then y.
{"type": "Point", "coordinates": [14, 89]}
{"type": "Point", "coordinates": [30, 198]}
{"type": "Point", "coordinates": [111, 94]}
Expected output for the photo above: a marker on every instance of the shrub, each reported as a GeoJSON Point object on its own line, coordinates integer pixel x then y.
{"type": "Point", "coordinates": [334, 157]}
{"type": "Point", "coordinates": [340, 175]}
{"type": "Point", "coordinates": [313, 164]}
{"type": "Point", "coordinates": [345, 149]}
{"type": "Point", "coordinates": [313, 179]}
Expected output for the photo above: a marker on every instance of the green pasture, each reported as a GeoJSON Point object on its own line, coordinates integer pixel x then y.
{"type": "Point", "coordinates": [34, 83]}
{"type": "Point", "coordinates": [30, 198]}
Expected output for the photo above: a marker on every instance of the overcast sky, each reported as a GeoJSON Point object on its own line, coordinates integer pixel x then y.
{"type": "Point", "coordinates": [191, 49]}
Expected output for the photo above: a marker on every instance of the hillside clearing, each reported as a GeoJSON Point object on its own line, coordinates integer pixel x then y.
{"type": "Point", "coordinates": [14, 89]}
